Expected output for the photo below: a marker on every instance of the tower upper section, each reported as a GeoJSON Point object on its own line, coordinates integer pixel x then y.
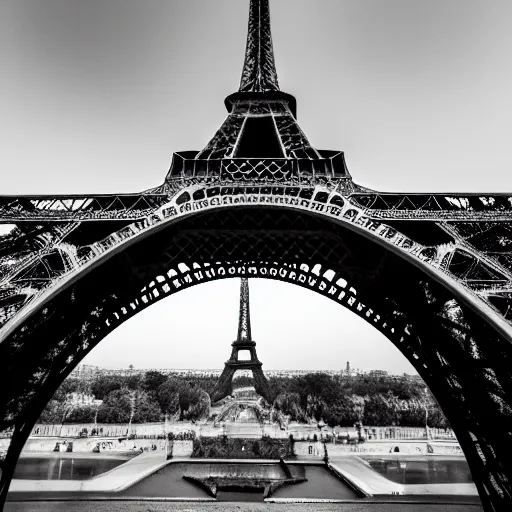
{"type": "Point", "coordinates": [259, 73]}
{"type": "Point", "coordinates": [244, 336]}
{"type": "Point", "coordinates": [260, 140]}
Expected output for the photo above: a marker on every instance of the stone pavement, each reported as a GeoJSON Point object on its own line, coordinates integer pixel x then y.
{"type": "Point", "coordinates": [153, 506]}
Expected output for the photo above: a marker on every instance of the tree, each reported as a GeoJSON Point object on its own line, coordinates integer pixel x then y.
{"type": "Point", "coordinates": [147, 409]}
{"type": "Point", "coordinates": [195, 403]}
{"type": "Point", "coordinates": [152, 381]}
{"type": "Point", "coordinates": [315, 407]}
{"type": "Point", "coordinates": [242, 381]}
{"type": "Point", "coordinates": [105, 384]}
{"type": "Point", "coordinates": [436, 418]}
{"type": "Point", "coordinates": [412, 413]}
{"type": "Point", "coordinates": [315, 387]}
{"type": "Point", "coordinates": [168, 396]}
{"type": "Point", "coordinates": [378, 412]}
{"type": "Point", "coordinates": [289, 403]}
{"type": "Point", "coordinates": [69, 385]}
{"type": "Point", "coordinates": [116, 407]}
{"type": "Point", "coordinates": [344, 412]}
{"type": "Point", "coordinates": [133, 382]}
{"type": "Point", "coordinates": [81, 414]}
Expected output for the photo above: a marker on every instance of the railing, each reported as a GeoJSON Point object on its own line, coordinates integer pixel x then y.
{"type": "Point", "coordinates": [407, 433]}
{"type": "Point", "coordinates": [299, 431]}
{"type": "Point", "coordinates": [466, 202]}
{"type": "Point", "coordinates": [258, 169]}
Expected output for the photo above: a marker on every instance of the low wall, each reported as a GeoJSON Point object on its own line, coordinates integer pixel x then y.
{"type": "Point", "coordinates": [406, 447]}
{"type": "Point", "coordinates": [86, 445]}
{"type": "Point", "coordinates": [40, 445]}
{"type": "Point", "coordinates": [446, 448]}
{"type": "Point", "coordinates": [184, 427]}
{"type": "Point", "coordinates": [303, 449]}
{"type": "Point", "coordinates": [309, 449]}
{"type": "Point", "coordinates": [101, 430]}
{"type": "Point", "coordinates": [378, 440]}
{"type": "Point", "coordinates": [182, 448]}
{"type": "Point", "coordinates": [298, 430]}
{"type": "Point", "coordinates": [275, 431]}
{"type": "Point", "coordinates": [406, 433]}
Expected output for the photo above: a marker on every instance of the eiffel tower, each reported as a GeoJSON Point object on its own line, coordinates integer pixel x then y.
{"type": "Point", "coordinates": [243, 342]}
{"type": "Point", "coordinates": [431, 271]}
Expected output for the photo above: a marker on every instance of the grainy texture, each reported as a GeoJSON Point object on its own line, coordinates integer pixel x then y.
{"type": "Point", "coordinates": [432, 272]}
{"type": "Point", "coordinates": [73, 506]}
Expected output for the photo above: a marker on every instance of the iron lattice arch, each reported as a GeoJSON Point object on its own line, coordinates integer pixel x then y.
{"type": "Point", "coordinates": [462, 359]}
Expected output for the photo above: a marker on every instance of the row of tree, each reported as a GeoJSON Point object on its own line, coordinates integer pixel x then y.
{"type": "Point", "coordinates": [337, 400]}
{"type": "Point", "coordinates": [137, 399]}
{"type": "Point", "coordinates": [372, 400]}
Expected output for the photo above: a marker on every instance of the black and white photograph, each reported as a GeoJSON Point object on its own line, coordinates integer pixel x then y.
{"type": "Point", "coordinates": [255, 255]}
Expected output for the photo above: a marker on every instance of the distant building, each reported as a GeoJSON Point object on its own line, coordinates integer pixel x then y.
{"type": "Point", "coordinates": [82, 399]}
{"type": "Point", "coordinates": [87, 372]}
{"type": "Point", "coordinates": [378, 373]}
{"type": "Point", "coordinates": [84, 372]}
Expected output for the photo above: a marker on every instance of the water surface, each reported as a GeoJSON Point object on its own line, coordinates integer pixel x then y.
{"type": "Point", "coordinates": [406, 470]}
{"type": "Point", "coordinates": [63, 466]}
{"type": "Point", "coordinates": [168, 482]}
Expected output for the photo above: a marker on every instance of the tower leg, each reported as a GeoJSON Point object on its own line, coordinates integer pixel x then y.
{"type": "Point", "coordinates": [18, 440]}
{"type": "Point", "coordinates": [224, 386]}
{"type": "Point", "coordinates": [261, 384]}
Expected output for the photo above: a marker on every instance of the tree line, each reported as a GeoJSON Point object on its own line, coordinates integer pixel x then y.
{"type": "Point", "coordinates": [335, 399]}
{"type": "Point", "coordinates": [341, 400]}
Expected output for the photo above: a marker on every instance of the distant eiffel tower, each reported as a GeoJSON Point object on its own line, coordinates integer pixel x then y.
{"type": "Point", "coordinates": [245, 342]}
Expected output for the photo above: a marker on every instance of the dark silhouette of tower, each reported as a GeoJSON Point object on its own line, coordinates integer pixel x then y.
{"type": "Point", "coordinates": [244, 342]}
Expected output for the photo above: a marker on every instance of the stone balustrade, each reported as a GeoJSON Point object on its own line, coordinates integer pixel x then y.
{"type": "Point", "coordinates": [297, 430]}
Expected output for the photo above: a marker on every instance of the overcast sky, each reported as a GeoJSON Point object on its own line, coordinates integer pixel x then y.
{"type": "Point", "coordinates": [97, 94]}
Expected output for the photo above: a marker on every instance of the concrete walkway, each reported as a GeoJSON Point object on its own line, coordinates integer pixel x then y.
{"type": "Point", "coordinates": [115, 480]}
{"type": "Point", "coordinates": [154, 506]}
{"type": "Point", "coordinates": [371, 483]}
{"type": "Point", "coordinates": [363, 477]}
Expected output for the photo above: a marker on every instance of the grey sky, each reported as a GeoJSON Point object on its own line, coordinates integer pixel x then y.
{"type": "Point", "coordinates": [293, 328]}
{"type": "Point", "coordinates": [97, 94]}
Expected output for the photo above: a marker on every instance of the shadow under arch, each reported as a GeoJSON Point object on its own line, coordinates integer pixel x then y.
{"type": "Point", "coordinates": [461, 357]}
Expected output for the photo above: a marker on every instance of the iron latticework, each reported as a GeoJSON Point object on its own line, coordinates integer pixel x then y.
{"type": "Point", "coordinates": [245, 343]}
{"type": "Point", "coordinates": [259, 72]}
{"type": "Point", "coordinates": [432, 272]}
{"type": "Point", "coordinates": [244, 316]}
